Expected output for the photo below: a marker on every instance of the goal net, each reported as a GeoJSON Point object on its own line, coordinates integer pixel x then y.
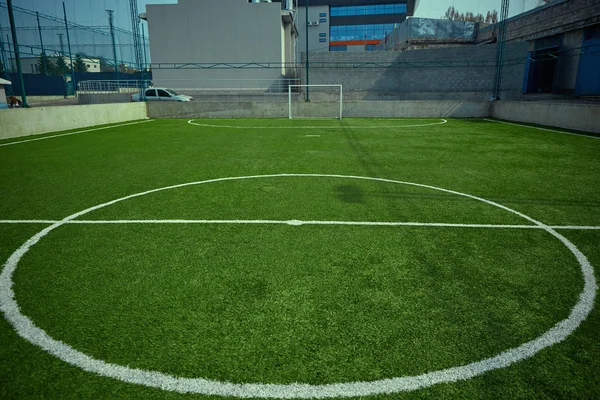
{"type": "Point", "coordinates": [315, 101]}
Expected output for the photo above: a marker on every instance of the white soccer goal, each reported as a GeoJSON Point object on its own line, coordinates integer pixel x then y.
{"type": "Point", "coordinates": [326, 101]}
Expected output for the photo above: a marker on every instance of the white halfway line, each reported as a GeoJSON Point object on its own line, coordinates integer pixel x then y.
{"type": "Point", "coordinates": [27, 329]}
{"type": "Point", "coordinates": [293, 222]}
{"type": "Point", "coordinates": [74, 133]}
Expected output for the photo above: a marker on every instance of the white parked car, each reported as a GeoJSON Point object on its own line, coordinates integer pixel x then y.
{"type": "Point", "coordinates": [161, 94]}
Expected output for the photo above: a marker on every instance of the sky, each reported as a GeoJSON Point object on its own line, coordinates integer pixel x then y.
{"type": "Point", "coordinates": [91, 12]}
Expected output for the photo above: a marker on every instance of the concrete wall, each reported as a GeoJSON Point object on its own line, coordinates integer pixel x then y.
{"type": "Point", "coordinates": [330, 109]}
{"type": "Point", "coordinates": [579, 117]}
{"type": "Point", "coordinates": [33, 121]}
{"type": "Point", "coordinates": [214, 31]}
{"type": "Point", "coordinates": [459, 73]}
{"type": "Point", "coordinates": [313, 30]}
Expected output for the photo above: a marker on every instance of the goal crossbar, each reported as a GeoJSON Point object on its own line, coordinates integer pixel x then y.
{"type": "Point", "coordinates": [309, 86]}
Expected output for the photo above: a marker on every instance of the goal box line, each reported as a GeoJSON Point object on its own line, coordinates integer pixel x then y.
{"type": "Point", "coordinates": [308, 87]}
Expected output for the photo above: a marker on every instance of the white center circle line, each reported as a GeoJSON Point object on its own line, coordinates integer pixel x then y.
{"type": "Point", "coordinates": [26, 328]}
{"type": "Point", "coordinates": [191, 122]}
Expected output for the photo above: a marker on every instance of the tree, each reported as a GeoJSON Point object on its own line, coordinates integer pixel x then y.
{"type": "Point", "coordinates": [45, 65]}
{"type": "Point", "coordinates": [80, 65]}
{"type": "Point", "coordinates": [60, 67]}
{"type": "Point", "coordinates": [105, 66]}
{"type": "Point", "coordinates": [453, 14]}
{"type": "Point", "coordinates": [491, 17]}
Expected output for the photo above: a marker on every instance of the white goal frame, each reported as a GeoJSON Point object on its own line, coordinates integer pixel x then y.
{"type": "Point", "coordinates": [309, 86]}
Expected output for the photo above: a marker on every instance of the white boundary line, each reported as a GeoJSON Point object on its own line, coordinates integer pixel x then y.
{"type": "Point", "coordinates": [293, 222]}
{"type": "Point", "coordinates": [541, 129]}
{"type": "Point", "coordinates": [37, 336]}
{"type": "Point", "coordinates": [443, 121]}
{"type": "Point", "coordinates": [74, 133]}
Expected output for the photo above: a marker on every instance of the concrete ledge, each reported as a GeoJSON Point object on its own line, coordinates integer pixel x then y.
{"type": "Point", "coordinates": [323, 109]}
{"type": "Point", "coordinates": [32, 121]}
{"type": "Point", "coordinates": [578, 117]}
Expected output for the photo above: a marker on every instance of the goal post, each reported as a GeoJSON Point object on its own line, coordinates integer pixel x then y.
{"type": "Point", "coordinates": [325, 104]}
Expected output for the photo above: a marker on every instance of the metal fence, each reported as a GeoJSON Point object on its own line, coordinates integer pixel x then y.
{"type": "Point", "coordinates": [257, 90]}
{"type": "Point", "coordinates": [50, 41]}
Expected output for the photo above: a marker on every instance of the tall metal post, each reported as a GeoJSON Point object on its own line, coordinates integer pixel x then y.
{"type": "Point", "coordinates": [500, 42]}
{"type": "Point", "coordinates": [12, 65]}
{"type": "Point", "coordinates": [4, 60]}
{"type": "Point", "coordinates": [69, 44]}
{"type": "Point", "coordinates": [307, 82]}
{"type": "Point", "coordinates": [13, 30]}
{"type": "Point", "coordinates": [37, 15]}
{"type": "Point", "coordinates": [144, 45]}
{"type": "Point", "coordinates": [137, 43]}
{"type": "Point", "coordinates": [112, 38]}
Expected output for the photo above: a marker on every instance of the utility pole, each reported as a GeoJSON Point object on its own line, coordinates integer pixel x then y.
{"type": "Point", "coordinates": [13, 30]}
{"type": "Point", "coordinates": [62, 44]}
{"type": "Point", "coordinates": [112, 38]}
{"type": "Point", "coordinates": [37, 15]}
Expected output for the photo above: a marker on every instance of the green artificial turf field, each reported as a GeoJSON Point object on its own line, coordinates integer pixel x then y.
{"type": "Point", "coordinates": [376, 258]}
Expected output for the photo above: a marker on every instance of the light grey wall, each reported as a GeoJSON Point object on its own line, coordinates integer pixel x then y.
{"type": "Point", "coordinates": [325, 109]}
{"type": "Point", "coordinates": [37, 120]}
{"type": "Point", "coordinates": [214, 31]}
{"type": "Point", "coordinates": [459, 73]}
{"type": "Point", "coordinates": [579, 117]}
{"type": "Point", "coordinates": [313, 31]}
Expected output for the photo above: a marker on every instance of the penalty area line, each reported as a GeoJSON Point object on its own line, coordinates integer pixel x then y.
{"type": "Point", "coordinates": [294, 222]}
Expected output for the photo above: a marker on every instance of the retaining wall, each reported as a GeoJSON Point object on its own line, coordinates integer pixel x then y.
{"type": "Point", "coordinates": [323, 109]}
{"type": "Point", "coordinates": [579, 117]}
{"type": "Point", "coordinates": [456, 73]}
{"type": "Point", "coordinates": [18, 122]}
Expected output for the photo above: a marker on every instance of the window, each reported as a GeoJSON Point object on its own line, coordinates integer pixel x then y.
{"type": "Point", "coordinates": [378, 9]}
{"type": "Point", "coordinates": [322, 14]}
{"type": "Point", "coordinates": [322, 35]}
{"type": "Point", "coordinates": [371, 47]}
{"type": "Point", "coordinates": [323, 40]}
{"type": "Point", "coordinates": [360, 32]}
{"type": "Point", "coordinates": [162, 93]}
{"type": "Point", "coordinates": [338, 48]}
{"type": "Point", "coordinates": [151, 93]}
{"type": "Point", "coordinates": [322, 19]}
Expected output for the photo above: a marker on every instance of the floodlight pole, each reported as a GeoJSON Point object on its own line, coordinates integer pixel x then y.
{"type": "Point", "coordinates": [13, 31]}
{"type": "Point", "coordinates": [112, 37]}
{"type": "Point", "coordinates": [69, 45]}
{"type": "Point", "coordinates": [307, 82]}
{"type": "Point", "coordinates": [37, 15]}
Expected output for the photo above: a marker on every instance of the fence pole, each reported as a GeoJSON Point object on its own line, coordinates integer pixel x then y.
{"type": "Point", "coordinates": [69, 45]}
{"type": "Point", "coordinates": [307, 82]}
{"type": "Point", "coordinates": [37, 16]}
{"type": "Point", "coordinates": [13, 30]}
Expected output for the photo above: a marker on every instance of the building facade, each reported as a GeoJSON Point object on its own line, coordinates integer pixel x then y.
{"type": "Point", "coordinates": [199, 44]}
{"type": "Point", "coordinates": [349, 25]}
